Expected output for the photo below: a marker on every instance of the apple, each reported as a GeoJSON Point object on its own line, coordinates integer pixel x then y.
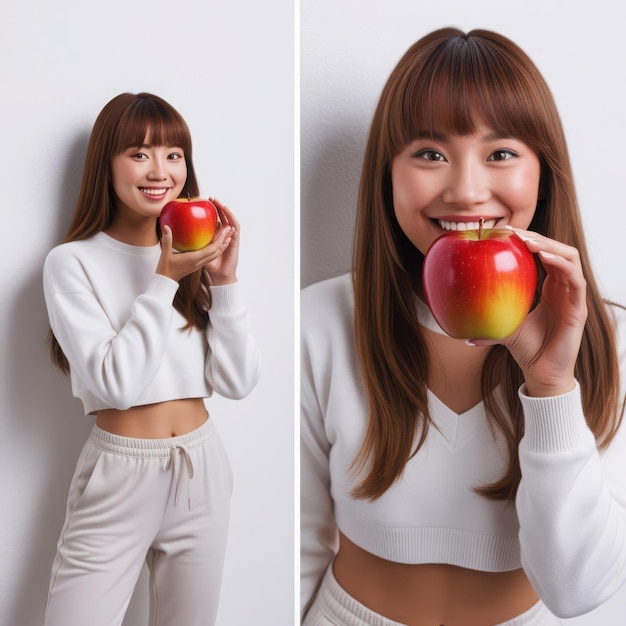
{"type": "Point", "coordinates": [479, 283]}
{"type": "Point", "coordinates": [193, 222]}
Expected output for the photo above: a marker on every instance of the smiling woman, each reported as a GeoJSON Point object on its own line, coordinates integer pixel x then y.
{"type": "Point", "coordinates": [443, 483]}
{"type": "Point", "coordinates": [146, 335]}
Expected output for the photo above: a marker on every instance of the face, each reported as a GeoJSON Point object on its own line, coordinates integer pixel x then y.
{"type": "Point", "coordinates": [145, 178]}
{"type": "Point", "coordinates": [451, 181]}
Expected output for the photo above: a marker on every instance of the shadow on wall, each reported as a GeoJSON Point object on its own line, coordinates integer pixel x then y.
{"type": "Point", "coordinates": [331, 167]}
{"type": "Point", "coordinates": [47, 422]}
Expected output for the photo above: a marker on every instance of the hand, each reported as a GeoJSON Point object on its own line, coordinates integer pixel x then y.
{"type": "Point", "coordinates": [547, 343]}
{"type": "Point", "coordinates": [176, 265]}
{"type": "Point", "coordinates": [223, 268]}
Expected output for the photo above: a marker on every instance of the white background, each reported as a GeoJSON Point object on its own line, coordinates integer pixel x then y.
{"type": "Point", "coordinates": [348, 49]}
{"type": "Point", "coordinates": [228, 67]}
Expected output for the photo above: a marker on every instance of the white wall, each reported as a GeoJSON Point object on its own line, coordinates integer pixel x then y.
{"type": "Point", "coordinates": [228, 68]}
{"type": "Point", "coordinates": [348, 49]}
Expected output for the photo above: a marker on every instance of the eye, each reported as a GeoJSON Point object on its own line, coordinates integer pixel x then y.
{"type": "Point", "coordinates": [502, 155]}
{"type": "Point", "coordinates": [175, 156]}
{"type": "Point", "coordinates": [140, 156]}
{"type": "Point", "coordinates": [429, 155]}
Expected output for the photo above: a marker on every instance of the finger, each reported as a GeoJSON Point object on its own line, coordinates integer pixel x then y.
{"type": "Point", "coordinates": [214, 249]}
{"type": "Point", "coordinates": [536, 243]}
{"type": "Point", "coordinates": [222, 233]}
{"type": "Point", "coordinates": [226, 215]}
{"type": "Point", "coordinates": [166, 239]}
{"type": "Point", "coordinates": [563, 272]}
{"type": "Point", "coordinates": [220, 210]}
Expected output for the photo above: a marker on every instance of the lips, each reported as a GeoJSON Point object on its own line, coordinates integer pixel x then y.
{"type": "Point", "coordinates": [154, 192]}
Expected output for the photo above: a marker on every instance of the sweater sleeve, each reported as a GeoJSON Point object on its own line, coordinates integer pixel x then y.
{"type": "Point", "coordinates": [115, 364]}
{"type": "Point", "coordinates": [233, 364]}
{"type": "Point", "coordinates": [318, 531]}
{"type": "Point", "coordinates": [571, 505]}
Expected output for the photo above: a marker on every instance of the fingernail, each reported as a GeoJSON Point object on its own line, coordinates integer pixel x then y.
{"type": "Point", "coordinates": [525, 237]}
{"type": "Point", "coordinates": [520, 235]}
{"type": "Point", "coordinates": [546, 255]}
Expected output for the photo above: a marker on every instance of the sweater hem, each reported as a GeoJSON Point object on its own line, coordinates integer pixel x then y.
{"type": "Point", "coordinates": [450, 546]}
{"type": "Point", "coordinates": [160, 391]}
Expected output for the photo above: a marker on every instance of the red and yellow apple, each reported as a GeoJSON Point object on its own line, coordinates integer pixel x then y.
{"type": "Point", "coordinates": [479, 283]}
{"type": "Point", "coordinates": [193, 222]}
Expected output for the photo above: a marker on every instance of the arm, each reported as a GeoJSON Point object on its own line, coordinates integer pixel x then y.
{"type": "Point", "coordinates": [318, 532]}
{"type": "Point", "coordinates": [571, 505]}
{"type": "Point", "coordinates": [571, 501]}
{"type": "Point", "coordinates": [115, 364]}
{"type": "Point", "coordinates": [233, 364]}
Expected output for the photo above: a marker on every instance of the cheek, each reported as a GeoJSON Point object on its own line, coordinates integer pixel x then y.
{"type": "Point", "coordinates": [180, 176]}
{"type": "Point", "coordinates": [410, 194]}
{"type": "Point", "coordinates": [523, 190]}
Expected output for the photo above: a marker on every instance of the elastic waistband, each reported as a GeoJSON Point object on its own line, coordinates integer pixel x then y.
{"type": "Point", "coordinates": [348, 609]}
{"type": "Point", "coordinates": [150, 448]}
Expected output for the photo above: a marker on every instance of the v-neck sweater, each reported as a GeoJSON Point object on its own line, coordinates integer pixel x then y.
{"type": "Point", "coordinates": [432, 513]}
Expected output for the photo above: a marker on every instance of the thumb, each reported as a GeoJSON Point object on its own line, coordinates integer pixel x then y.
{"type": "Point", "coordinates": [166, 239]}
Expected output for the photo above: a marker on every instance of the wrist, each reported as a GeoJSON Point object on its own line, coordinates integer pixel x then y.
{"type": "Point", "coordinates": [543, 389]}
{"type": "Point", "coordinates": [222, 281]}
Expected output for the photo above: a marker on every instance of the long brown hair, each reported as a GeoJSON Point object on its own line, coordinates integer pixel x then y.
{"type": "Point", "coordinates": [447, 81]}
{"type": "Point", "coordinates": [124, 122]}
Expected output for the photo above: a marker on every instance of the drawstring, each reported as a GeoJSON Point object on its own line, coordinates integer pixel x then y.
{"type": "Point", "coordinates": [174, 461]}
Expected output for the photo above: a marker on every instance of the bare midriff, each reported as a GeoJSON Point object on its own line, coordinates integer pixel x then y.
{"type": "Point", "coordinates": [155, 421]}
{"type": "Point", "coordinates": [431, 595]}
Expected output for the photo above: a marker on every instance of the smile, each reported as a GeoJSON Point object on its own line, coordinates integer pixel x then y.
{"type": "Point", "coordinates": [449, 225]}
{"type": "Point", "coordinates": [157, 193]}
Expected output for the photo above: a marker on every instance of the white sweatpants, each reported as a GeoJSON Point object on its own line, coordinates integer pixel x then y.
{"type": "Point", "coordinates": [163, 501]}
{"type": "Point", "coordinates": [333, 606]}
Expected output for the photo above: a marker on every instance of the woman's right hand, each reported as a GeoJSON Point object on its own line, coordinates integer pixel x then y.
{"type": "Point", "coordinates": [176, 265]}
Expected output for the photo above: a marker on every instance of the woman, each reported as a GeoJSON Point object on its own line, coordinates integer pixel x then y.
{"type": "Point", "coordinates": [146, 334]}
{"type": "Point", "coordinates": [446, 483]}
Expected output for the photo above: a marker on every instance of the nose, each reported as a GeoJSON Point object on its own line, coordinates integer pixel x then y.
{"type": "Point", "coordinates": [158, 169]}
{"type": "Point", "coordinates": [467, 185]}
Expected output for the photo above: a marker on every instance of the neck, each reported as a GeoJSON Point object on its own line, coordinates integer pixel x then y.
{"type": "Point", "coordinates": [139, 233]}
{"type": "Point", "coordinates": [455, 369]}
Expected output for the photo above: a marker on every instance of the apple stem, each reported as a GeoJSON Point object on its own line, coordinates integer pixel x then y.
{"type": "Point", "coordinates": [481, 221]}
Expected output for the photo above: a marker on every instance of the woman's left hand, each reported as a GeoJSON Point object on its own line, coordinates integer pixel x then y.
{"type": "Point", "coordinates": [547, 343]}
{"type": "Point", "coordinates": [223, 269]}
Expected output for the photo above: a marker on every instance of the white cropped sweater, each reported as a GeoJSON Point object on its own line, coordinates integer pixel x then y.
{"type": "Point", "coordinates": [114, 320]}
{"type": "Point", "coordinates": [567, 528]}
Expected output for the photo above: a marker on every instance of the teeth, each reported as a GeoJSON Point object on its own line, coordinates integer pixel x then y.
{"type": "Point", "coordinates": [466, 225]}
{"type": "Point", "coordinates": [154, 192]}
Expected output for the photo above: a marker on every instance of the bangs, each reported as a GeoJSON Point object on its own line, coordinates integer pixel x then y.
{"type": "Point", "coordinates": [150, 117]}
{"type": "Point", "coordinates": [463, 82]}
